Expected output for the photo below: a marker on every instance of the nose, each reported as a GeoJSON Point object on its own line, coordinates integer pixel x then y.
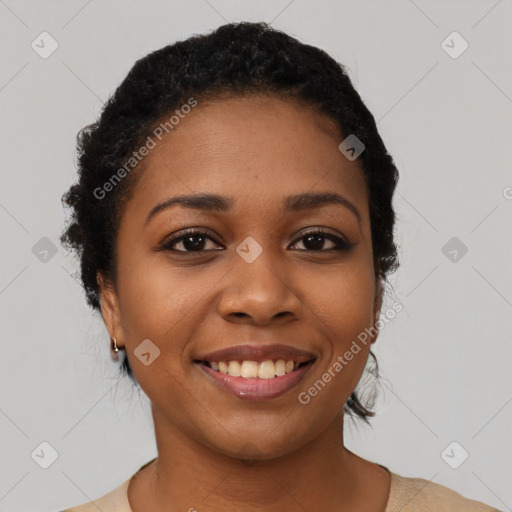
{"type": "Point", "coordinates": [259, 293]}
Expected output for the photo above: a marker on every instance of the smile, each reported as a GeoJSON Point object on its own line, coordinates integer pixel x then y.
{"type": "Point", "coordinates": [256, 372]}
{"type": "Point", "coordinates": [256, 388]}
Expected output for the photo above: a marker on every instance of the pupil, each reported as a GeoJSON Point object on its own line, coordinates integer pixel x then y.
{"type": "Point", "coordinates": [317, 241]}
{"type": "Point", "coordinates": [190, 245]}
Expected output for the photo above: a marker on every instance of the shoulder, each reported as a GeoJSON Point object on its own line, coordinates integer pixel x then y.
{"type": "Point", "coordinates": [420, 495]}
{"type": "Point", "coordinates": [114, 501]}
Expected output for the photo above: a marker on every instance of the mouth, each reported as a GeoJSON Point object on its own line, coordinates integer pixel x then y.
{"type": "Point", "coordinates": [256, 372]}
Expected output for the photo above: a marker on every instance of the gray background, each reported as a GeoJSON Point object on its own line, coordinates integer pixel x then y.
{"type": "Point", "coordinates": [445, 359]}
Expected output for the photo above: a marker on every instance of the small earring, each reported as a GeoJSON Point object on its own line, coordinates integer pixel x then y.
{"type": "Point", "coordinates": [114, 349]}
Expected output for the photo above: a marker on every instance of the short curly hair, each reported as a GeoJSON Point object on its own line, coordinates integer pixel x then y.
{"type": "Point", "coordinates": [235, 59]}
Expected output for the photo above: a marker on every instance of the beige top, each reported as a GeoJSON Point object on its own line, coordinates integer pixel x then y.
{"type": "Point", "coordinates": [406, 495]}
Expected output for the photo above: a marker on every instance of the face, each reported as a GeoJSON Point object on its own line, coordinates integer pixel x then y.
{"type": "Point", "coordinates": [254, 271]}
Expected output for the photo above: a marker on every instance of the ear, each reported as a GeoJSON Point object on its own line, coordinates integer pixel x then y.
{"type": "Point", "coordinates": [110, 308]}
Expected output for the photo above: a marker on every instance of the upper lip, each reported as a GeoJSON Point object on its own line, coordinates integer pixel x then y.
{"type": "Point", "coordinates": [258, 353]}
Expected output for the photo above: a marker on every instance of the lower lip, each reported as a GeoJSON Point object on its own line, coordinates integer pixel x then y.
{"type": "Point", "coordinates": [257, 389]}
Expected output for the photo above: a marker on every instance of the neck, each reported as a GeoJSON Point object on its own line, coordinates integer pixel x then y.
{"type": "Point", "coordinates": [320, 475]}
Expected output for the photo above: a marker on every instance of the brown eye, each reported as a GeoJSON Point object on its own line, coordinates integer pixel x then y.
{"type": "Point", "coordinates": [195, 241]}
{"type": "Point", "coordinates": [314, 241]}
{"type": "Point", "coordinates": [192, 241]}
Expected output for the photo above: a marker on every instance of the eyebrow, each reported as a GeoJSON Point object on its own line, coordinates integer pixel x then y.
{"type": "Point", "coordinates": [215, 202]}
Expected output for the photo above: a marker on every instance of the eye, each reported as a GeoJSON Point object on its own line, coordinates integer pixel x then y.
{"type": "Point", "coordinates": [195, 240]}
{"type": "Point", "coordinates": [192, 240]}
{"type": "Point", "coordinates": [315, 239]}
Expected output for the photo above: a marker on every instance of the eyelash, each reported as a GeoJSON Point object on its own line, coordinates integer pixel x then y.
{"type": "Point", "coordinates": [341, 244]}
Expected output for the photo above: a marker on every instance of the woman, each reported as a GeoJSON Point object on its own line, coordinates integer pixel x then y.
{"type": "Point", "coordinates": [234, 220]}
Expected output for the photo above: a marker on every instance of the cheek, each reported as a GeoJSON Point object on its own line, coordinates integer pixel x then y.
{"type": "Point", "coordinates": [153, 295]}
{"type": "Point", "coordinates": [164, 304]}
{"type": "Point", "coordinates": [160, 304]}
{"type": "Point", "coordinates": [342, 299]}
{"type": "Point", "coordinates": [342, 305]}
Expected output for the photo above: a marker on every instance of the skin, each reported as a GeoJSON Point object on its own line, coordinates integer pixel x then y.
{"type": "Point", "coordinates": [217, 452]}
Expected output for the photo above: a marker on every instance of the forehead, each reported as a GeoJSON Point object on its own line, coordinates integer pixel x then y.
{"type": "Point", "coordinates": [258, 147]}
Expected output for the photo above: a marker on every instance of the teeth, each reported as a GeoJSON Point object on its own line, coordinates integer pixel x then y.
{"type": "Point", "coordinates": [234, 368]}
{"type": "Point", "coordinates": [249, 369]}
{"type": "Point", "coordinates": [252, 369]}
{"type": "Point", "coordinates": [266, 370]}
{"type": "Point", "coordinates": [280, 367]}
